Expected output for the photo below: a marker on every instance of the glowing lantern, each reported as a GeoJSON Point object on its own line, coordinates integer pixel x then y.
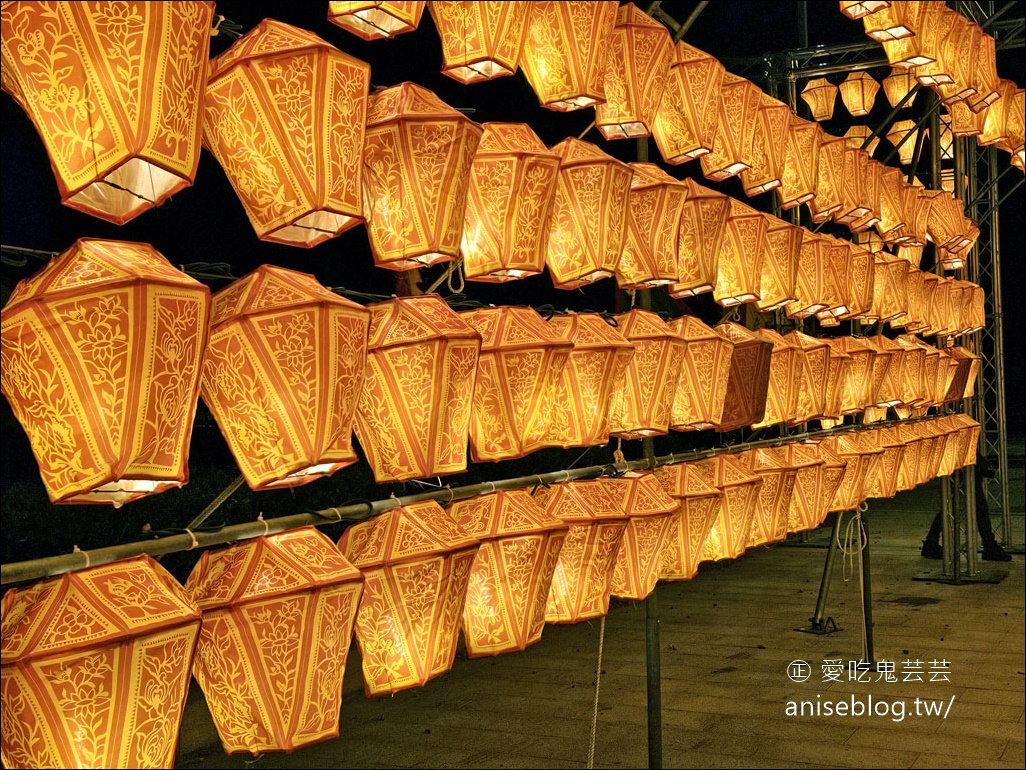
{"type": "Point", "coordinates": [650, 253]}
{"type": "Point", "coordinates": [801, 164]}
{"type": "Point", "coordinates": [779, 276]}
{"type": "Point", "coordinates": [698, 506]}
{"type": "Point", "coordinates": [913, 379]}
{"type": "Point", "coordinates": [858, 92]}
{"type": "Point", "coordinates": [930, 284]}
{"type": "Point", "coordinates": [923, 46]}
{"type": "Point", "coordinates": [769, 523]}
{"type": "Point", "coordinates": [885, 481]}
{"type": "Point", "coordinates": [820, 94]}
{"type": "Point", "coordinates": [854, 205]}
{"type": "Point", "coordinates": [689, 111]}
{"type": "Point", "coordinates": [785, 371]}
{"type": "Point", "coordinates": [565, 52]}
{"type": "Point", "coordinates": [739, 269]}
{"type": "Point", "coordinates": [984, 77]}
{"type": "Point", "coordinates": [1015, 125]}
{"type": "Point", "coordinates": [897, 85]}
{"type": "Point", "coordinates": [512, 571]}
{"type": "Point", "coordinates": [945, 223]}
{"type": "Point", "coordinates": [857, 390]}
{"type": "Point", "coordinates": [942, 21]}
{"type": "Point", "coordinates": [811, 399]}
{"type": "Point", "coordinates": [102, 353]}
{"type": "Point", "coordinates": [416, 565]}
{"type": "Point", "coordinates": [834, 467]}
{"type": "Point", "coordinates": [637, 62]}
{"type": "Point", "coordinates": [374, 19]}
{"type": "Point", "coordinates": [857, 136]}
{"type": "Point", "coordinates": [830, 178]}
{"type": "Point", "coordinates": [914, 318]}
{"type": "Point", "coordinates": [734, 147]}
{"type": "Point", "coordinates": [814, 274]}
{"type": "Point", "coordinates": [965, 122]}
{"type": "Point", "coordinates": [509, 202]}
{"type": "Point", "coordinates": [962, 380]}
{"type": "Point", "coordinates": [856, 10]}
{"type": "Point", "coordinates": [872, 180]}
{"type": "Point", "coordinates": [959, 52]}
{"type": "Point", "coordinates": [729, 535]}
{"type": "Point", "coordinates": [581, 400]}
{"type": "Point", "coordinates": [702, 390]}
{"type": "Point", "coordinates": [771, 130]}
{"type": "Point", "coordinates": [803, 505]}
{"type": "Point", "coordinates": [973, 428]}
{"type": "Point", "coordinates": [703, 223]}
{"type": "Point", "coordinates": [96, 667]}
{"type": "Point", "coordinates": [282, 375]}
{"type": "Point", "coordinates": [480, 41]}
{"type": "Point", "coordinates": [413, 416]}
{"type": "Point", "coordinates": [114, 91]}
{"type": "Point", "coordinates": [862, 466]}
{"type": "Point", "coordinates": [893, 22]}
{"type": "Point", "coordinates": [908, 471]}
{"type": "Point", "coordinates": [890, 288]}
{"type": "Point", "coordinates": [417, 157]}
{"type": "Point", "coordinates": [891, 391]}
{"type": "Point", "coordinates": [278, 615]}
{"type": "Point", "coordinates": [648, 508]}
{"type": "Point", "coordinates": [588, 228]}
{"type": "Point", "coordinates": [996, 120]}
{"type": "Point", "coordinates": [897, 133]}
{"type": "Point", "coordinates": [520, 364]}
{"type": "Point", "coordinates": [748, 379]}
{"type": "Point", "coordinates": [583, 577]}
{"type": "Point", "coordinates": [642, 399]}
{"type": "Point", "coordinates": [892, 206]}
{"type": "Point", "coordinates": [858, 281]}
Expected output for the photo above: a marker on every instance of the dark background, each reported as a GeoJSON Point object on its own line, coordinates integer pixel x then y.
{"type": "Point", "coordinates": [206, 224]}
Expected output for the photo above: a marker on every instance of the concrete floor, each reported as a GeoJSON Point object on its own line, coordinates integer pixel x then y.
{"type": "Point", "coordinates": [726, 639]}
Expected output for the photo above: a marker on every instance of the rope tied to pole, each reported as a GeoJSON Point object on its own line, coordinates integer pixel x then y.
{"type": "Point", "coordinates": [598, 681]}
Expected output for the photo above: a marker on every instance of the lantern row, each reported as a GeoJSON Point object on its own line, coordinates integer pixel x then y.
{"type": "Point", "coordinates": [265, 625]}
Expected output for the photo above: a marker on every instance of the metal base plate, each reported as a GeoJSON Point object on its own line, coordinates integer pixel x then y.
{"type": "Point", "coordinates": [820, 629]}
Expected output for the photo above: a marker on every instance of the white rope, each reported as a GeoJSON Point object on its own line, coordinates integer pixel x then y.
{"type": "Point", "coordinates": [598, 680]}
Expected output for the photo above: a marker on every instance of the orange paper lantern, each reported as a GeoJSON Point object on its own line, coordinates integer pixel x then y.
{"type": "Point", "coordinates": [771, 130]}
{"type": "Point", "coordinates": [893, 217]}
{"type": "Point", "coordinates": [740, 487]}
{"type": "Point", "coordinates": [834, 467]}
{"type": "Point", "coordinates": [892, 390]}
{"type": "Point", "coordinates": [857, 386]}
{"type": "Point", "coordinates": [742, 252]}
{"type": "Point", "coordinates": [698, 505]}
{"type": "Point", "coordinates": [689, 111]}
{"type": "Point", "coordinates": [814, 276]}
{"type": "Point", "coordinates": [734, 147]}
{"type": "Point", "coordinates": [959, 51]}
{"type": "Point", "coordinates": [858, 92]}
{"type": "Point", "coordinates": [785, 373]}
{"type": "Point", "coordinates": [995, 123]}
{"type": "Point", "coordinates": [101, 360]}
{"type": "Point", "coordinates": [702, 389]}
{"type": "Point", "coordinates": [374, 19]}
{"type": "Point", "coordinates": [984, 77]}
{"type": "Point", "coordinates": [838, 376]}
{"type": "Point", "coordinates": [858, 283]}
{"type": "Point", "coordinates": [480, 41]}
{"type": "Point", "coordinates": [416, 565]}
{"type": "Point", "coordinates": [862, 465]}
{"type": "Point", "coordinates": [650, 253]}
{"type": "Point", "coordinates": [803, 507]}
{"type": "Point", "coordinates": [897, 85]}
{"type": "Point", "coordinates": [857, 136]}
{"type": "Point", "coordinates": [856, 10]}
{"type": "Point", "coordinates": [640, 558]}
{"type": "Point", "coordinates": [778, 282]}
{"type": "Point", "coordinates": [923, 46]}
{"type": "Point", "coordinates": [96, 667]}
{"type": "Point", "coordinates": [278, 614]}
{"type": "Point", "coordinates": [829, 198]}
{"type": "Point", "coordinates": [748, 380]}
{"type": "Point", "coordinates": [885, 481]}
{"type": "Point", "coordinates": [115, 93]}
{"type": "Point", "coordinates": [769, 524]}
{"type": "Point", "coordinates": [892, 22]}
{"type": "Point", "coordinates": [897, 134]}
{"type": "Point", "coordinates": [801, 164]}
{"type": "Point", "coordinates": [703, 223]}
{"type": "Point", "coordinates": [942, 23]}
{"type": "Point", "coordinates": [811, 399]}
{"type": "Point", "coordinates": [512, 572]}
{"type": "Point", "coordinates": [413, 416]}
{"type": "Point", "coordinates": [820, 94]}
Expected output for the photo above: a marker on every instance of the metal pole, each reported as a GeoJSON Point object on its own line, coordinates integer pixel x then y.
{"type": "Point", "coordinates": [967, 516]}
{"type": "Point", "coordinates": [950, 540]}
{"type": "Point", "coordinates": [867, 588]}
{"type": "Point", "coordinates": [818, 619]}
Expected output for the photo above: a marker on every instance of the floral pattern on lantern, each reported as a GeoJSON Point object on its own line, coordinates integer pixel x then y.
{"type": "Point", "coordinates": [801, 163]}
{"type": "Point", "coordinates": [820, 94]}
{"type": "Point", "coordinates": [811, 400]}
{"type": "Point", "coordinates": [803, 511]}
{"type": "Point", "coordinates": [742, 253]}
{"type": "Point", "coordinates": [923, 45]}
{"type": "Point", "coordinates": [902, 134]}
{"type": "Point", "coordinates": [703, 225]}
{"type": "Point", "coordinates": [815, 276]}
{"type": "Point", "coordinates": [698, 506]}
{"type": "Point", "coordinates": [771, 130]}
{"type": "Point", "coordinates": [640, 558]}
{"type": "Point", "coordinates": [785, 371]}
{"type": "Point", "coordinates": [748, 380]}
{"type": "Point", "coordinates": [650, 253]}
{"type": "Point", "coordinates": [772, 465]}
{"type": "Point", "coordinates": [480, 41]}
{"type": "Point", "coordinates": [689, 111]}
{"type": "Point", "coordinates": [857, 136]}
{"type": "Point", "coordinates": [702, 389]}
{"type": "Point", "coordinates": [734, 147]}
{"type": "Point", "coordinates": [858, 92]}
{"type": "Point", "coordinates": [862, 465]}
{"type": "Point", "coordinates": [729, 535]}
{"type": "Point", "coordinates": [829, 198]}
{"type": "Point", "coordinates": [779, 275]}
{"type": "Point", "coordinates": [375, 19]}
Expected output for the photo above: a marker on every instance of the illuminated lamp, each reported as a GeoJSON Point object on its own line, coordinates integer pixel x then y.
{"type": "Point", "coordinates": [96, 667]}
{"type": "Point", "coordinates": [509, 202]}
{"type": "Point", "coordinates": [583, 576]}
{"type": "Point", "coordinates": [374, 19]}
{"type": "Point", "coordinates": [947, 150]}
{"type": "Point", "coordinates": [512, 571]}
{"type": "Point", "coordinates": [698, 506]}
{"type": "Point", "coordinates": [520, 364]}
{"type": "Point", "coordinates": [921, 472]}
{"type": "Point", "coordinates": [588, 227]}
{"type": "Point", "coordinates": [914, 319]}
{"type": "Point", "coordinates": [829, 198]}
{"type": "Point", "coordinates": [929, 295]}
{"type": "Point", "coordinates": [885, 482]}
{"type": "Point", "coordinates": [965, 122]}
{"type": "Point", "coordinates": [834, 468]}
{"type": "Point", "coordinates": [778, 281]}
{"type": "Point", "coordinates": [702, 389]}
{"type": "Point", "coordinates": [974, 428]}
{"type": "Point", "coordinates": [748, 379]}
{"type": "Point", "coordinates": [892, 224]}
{"type": "Point", "coordinates": [814, 367]}
{"type": "Point", "coordinates": [863, 464]}
{"type": "Point", "coordinates": [961, 382]}
{"type": "Point", "coordinates": [813, 275]}
{"type": "Point", "coordinates": [940, 71]}
{"type": "Point", "coordinates": [949, 367]}
{"type": "Point", "coordinates": [416, 564]}
{"type": "Point", "coordinates": [640, 558]}
{"type": "Point", "coordinates": [871, 172]}
{"type": "Point", "coordinates": [921, 204]}
{"type": "Point", "coordinates": [703, 225]}
{"type": "Point", "coordinates": [689, 111]}
{"type": "Point", "coordinates": [581, 400]}
{"type": "Point", "coordinates": [771, 130]}
{"type": "Point", "coordinates": [785, 372]}
{"type": "Point", "coordinates": [1015, 126]}
{"type": "Point", "coordinates": [922, 47]}
{"type": "Point", "coordinates": [480, 41]}
{"type": "Point", "coordinates": [769, 523]}
{"type": "Point", "coordinates": [740, 487]}
{"type": "Point", "coordinates": [801, 164]}
{"type": "Point", "coordinates": [565, 52]}
{"type": "Point", "coordinates": [955, 444]}
{"type": "Point", "coordinates": [897, 133]}
{"type": "Point", "coordinates": [881, 362]}
{"type": "Point", "coordinates": [653, 229]}
{"type": "Point", "coordinates": [890, 288]}
{"type": "Point", "coordinates": [834, 296]}
{"type": "Point", "coordinates": [939, 435]}
{"type": "Point", "coordinates": [854, 202]}
{"type": "Point", "coordinates": [115, 93]}
{"type": "Point", "coordinates": [739, 268]}
{"type": "Point", "coordinates": [908, 471]}
{"type": "Point", "coordinates": [820, 94]}
{"type": "Point", "coordinates": [642, 399]}
{"type": "Point", "coordinates": [913, 376]}
{"type": "Point", "coordinates": [858, 92]}
{"type": "Point", "coordinates": [945, 224]}
{"type": "Point", "coordinates": [891, 22]}
{"type": "Point", "coordinates": [936, 373]}
{"type": "Point", "coordinates": [858, 283]}
{"type": "Point", "coordinates": [802, 507]}
{"type": "Point", "coordinates": [892, 389]}
{"type": "Point", "coordinates": [638, 56]}
{"type": "Point", "coordinates": [959, 52]}
{"type": "Point", "coordinates": [977, 318]}
{"type": "Point", "coordinates": [417, 156]}
{"type": "Point", "coordinates": [413, 415]}
{"type": "Point", "coordinates": [984, 77]}
{"type": "Point", "coordinates": [734, 146]}
{"type": "Point", "coordinates": [278, 615]}
{"type": "Point", "coordinates": [857, 390]}
{"type": "Point", "coordinates": [897, 85]}
{"type": "Point", "coordinates": [838, 375]}
{"type": "Point", "coordinates": [857, 136]}
{"type": "Point", "coordinates": [995, 123]}
{"type": "Point", "coordinates": [102, 353]}
{"type": "Point", "coordinates": [856, 10]}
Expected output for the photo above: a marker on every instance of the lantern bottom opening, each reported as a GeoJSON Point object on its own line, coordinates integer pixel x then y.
{"type": "Point", "coordinates": [572, 103]}
{"type": "Point", "coordinates": [691, 292]}
{"type": "Point", "coordinates": [127, 191]}
{"type": "Point", "coordinates": [502, 275]}
{"type": "Point", "coordinates": [308, 474]}
{"type": "Point", "coordinates": [939, 79]}
{"type": "Point", "coordinates": [891, 33]}
{"type": "Point", "coordinates": [313, 228]}
{"type": "Point", "coordinates": [772, 184]}
{"type": "Point", "coordinates": [736, 300]}
{"type": "Point", "coordinates": [583, 280]}
{"type": "Point", "coordinates": [475, 72]}
{"type": "Point", "coordinates": [913, 61]}
{"type": "Point", "coordinates": [372, 23]}
{"type": "Point", "coordinates": [122, 491]}
{"type": "Point", "coordinates": [725, 173]}
{"type": "Point", "coordinates": [410, 262]}
{"type": "Point", "coordinates": [632, 130]}
{"type": "Point", "coordinates": [790, 204]}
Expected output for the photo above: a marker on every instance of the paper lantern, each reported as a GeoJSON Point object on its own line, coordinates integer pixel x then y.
{"type": "Point", "coordinates": [960, 384]}
{"type": "Point", "coordinates": [520, 365]}
{"type": "Point", "coordinates": [583, 577]}
{"type": "Point", "coordinates": [689, 111]}
{"type": "Point", "coordinates": [640, 558]}
{"type": "Point", "coordinates": [748, 378]}
{"type": "Point", "coordinates": [942, 22]}
{"type": "Point", "coordinates": [996, 120]}
{"type": "Point", "coordinates": [801, 164]}
{"type": "Point", "coordinates": [923, 46]}
{"type": "Point", "coordinates": [862, 465]}
{"type": "Point", "coordinates": [829, 178]}
{"type": "Point", "coordinates": [284, 115]}
{"type": "Point", "coordinates": [512, 571]}
{"type": "Point", "coordinates": [769, 523]}
{"type": "Point", "coordinates": [785, 371]}
{"type": "Point", "coordinates": [565, 52]}
{"type": "Point", "coordinates": [1015, 126]}
{"type": "Point", "coordinates": [984, 77]}
{"type": "Point", "coordinates": [959, 52]}
{"type": "Point", "coordinates": [413, 415]}
{"type": "Point", "coordinates": [642, 399]}
{"type": "Point", "coordinates": [857, 391]}
{"type": "Point", "coordinates": [282, 374]}
{"type": "Point", "coordinates": [638, 59]}
{"type": "Point", "coordinates": [897, 85]}
{"type": "Point", "coordinates": [779, 276]}
{"type": "Point", "coordinates": [857, 136]}
{"type": "Point", "coordinates": [908, 471]}
{"type": "Point", "coordinates": [114, 92]}
{"type": "Point", "coordinates": [914, 318]}
{"type": "Point", "coordinates": [703, 223]}
{"type": "Point", "coordinates": [96, 667]}
{"type": "Point", "coordinates": [771, 130]}
{"type": "Point", "coordinates": [649, 255]}
{"type": "Point", "coordinates": [885, 482]}
{"type": "Point", "coordinates": [509, 202]}
{"type": "Point", "coordinates": [929, 291]}
{"type": "Point", "coordinates": [588, 228]}
{"type": "Point", "coordinates": [581, 401]}
{"type": "Point", "coordinates": [811, 399]}
{"type": "Point", "coordinates": [739, 486]}
{"type": "Point", "coordinates": [734, 146]}
{"type": "Point", "coordinates": [278, 614]}
{"type": "Point", "coordinates": [858, 92]}
{"type": "Point", "coordinates": [912, 372]}
{"type": "Point", "coordinates": [919, 216]}
{"type": "Point", "coordinates": [854, 203]}
{"type": "Point", "coordinates": [814, 274]}
{"type": "Point", "coordinates": [480, 41]}
{"type": "Point", "coordinates": [890, 288]}
{"type": "Point", "coordinates": [965, 122]}
{"type": "Point", "coordinates": [893, 22]}
{"type": "Point", "coordinates": [893, 220]}
{"type": "Point", "coordinates": [858, 292]}
{"type": "Point", "coordinates": [820, 94]}
{"type": "Point", "coordinates": [856, 10]}
{"type": "Point", "coordinates": [891, 390]}
{"type": "Point", "coordinates": [702, 389]}
{"type": "Point", "coordinates": [897, 133]}
{"type": "Point", "coordinates": [374, 19]}
{"type": "Point", "coordinates": [834, 467]}
{"type": "Point", "coordinates": [871, 173]}
{"type": "Point", "coordinates": [803, 505]}
{"type": "Point", "coordinates": [973, 428]}
{"type": "Point", "coordinates": [416, 565]}
{"type": "Point", "coordinates": [698, 505]}
{"type": "Point", "coordinates": [417, 157]}
{"type": "Point", "coordinates": [739, 268]}
{"type": "Point", "coordinates": [101, 361]}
